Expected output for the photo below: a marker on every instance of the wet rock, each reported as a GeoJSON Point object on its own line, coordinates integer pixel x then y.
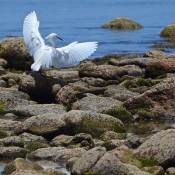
{"type": "Point", "coordinates": [27, 138]}
{"type": "Point", "coordinates": [12, 152]}
{"type": "Point", "coordinates": [38, 109]}
{"type": "Point", "coordinates": [8, 125]}
{"type": "Point", "coordinates": [46, 125]}
{"type": "Point", "coordinates": [119, 92]}
{"type": "Point", "coordinates": [89, 69]}
{"type": "Point", "coordinates": [95, 124]}
{"type": "Point", "coordinates": [15, 52]}
{"type": "Point", "coordinates": [159, 147]}
{"type": "Point", "coordinates": [56, 153]}
{"type": "Point", "coordinates": [168, 31]}
{"type": "Point", "coordinates": [13, 141]}
{"type": "Point", "coordinates": [94, 103]}
{"type": "Point", "coordinates": [97, 160]}
{"type": "Point", "coordinates": [122, 24]}
{"type": "Point", "coordinates": [21, 167]}
{"type": "Point", "coordinates": [61, 140]}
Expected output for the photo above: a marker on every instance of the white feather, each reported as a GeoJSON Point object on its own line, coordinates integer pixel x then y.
{"type": "Point", "coordinates": [45, 56]}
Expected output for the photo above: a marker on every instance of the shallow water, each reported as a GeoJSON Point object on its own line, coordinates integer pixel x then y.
{"type": "Point", "coordinates": [81, 20]}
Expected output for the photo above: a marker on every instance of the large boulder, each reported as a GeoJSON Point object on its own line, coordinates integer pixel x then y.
{"type": "Point", "coordinates": [89, 69]}
{"type": "Point", "coordinates": [10, 98]}
{"type": "Point", "coordinates": [89, 122]}
{"type": "Point", "coordinates": [15, 52]}
{"type": "Point", "coordinates": [155, 102]}
{"type": "Point", "coordinates": [38, 109]}
{"type": "Point", "coordinates": [94, 103]}
{"type": "Point", "coordinates": [160, 147]}
{"type": "Point", "coordinates": [97, 160]}
{"type": "Point", "coordinates": [46, 125]}
{"type": "Point", "coordinates": [56, 153]}
{"type": "Point", "coordinates": [12, 152]}
{"type": "Point", "coordinates": [122, 24]}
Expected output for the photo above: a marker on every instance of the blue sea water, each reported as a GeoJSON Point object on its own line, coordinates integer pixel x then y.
{"type": "Point", "coordinates": [80, 20]}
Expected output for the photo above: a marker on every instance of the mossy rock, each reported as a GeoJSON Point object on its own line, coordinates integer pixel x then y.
{"type": "Point", "coordinates": [168, 31]}
{"type": "Point", "coordinates": [108, 145]}
{"type": "Point", "coordinates": [121, 113]}
{"type": "Point", "coordinates": [122, 24]}
{"type": "Point", "coordinates": [3, 134]}
{"type": "Point", "coordinates": [148, 162]}
{"type": "Point", "coordinates": [9, 169]}
{"type": "Point", "coordinates": [155, 70]}
{"type": "Point", "coordinates": [144, 82]}
{"type": "Point", "coordinates": [32, 146]}
{"type": "Point", "coordinates": [140, 129]}
{"type": "Point", "coordinates": [15, 52]}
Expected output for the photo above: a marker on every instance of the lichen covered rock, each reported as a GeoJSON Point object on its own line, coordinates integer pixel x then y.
{"type": "Point", "coordinates": [122, 24]}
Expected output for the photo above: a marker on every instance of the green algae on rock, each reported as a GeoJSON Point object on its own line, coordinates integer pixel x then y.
{"type": "Point", "coordinates": [122, 24]}
{"type": "Point", "coordinates": [168, 31]}
{"type": "Point", "coordinates": [15, 52]}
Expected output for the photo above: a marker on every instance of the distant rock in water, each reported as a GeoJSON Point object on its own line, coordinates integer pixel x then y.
{"type": "Point", "coordinates": [122, 24]}
{"type": "Point", "coordinates": [168, 31]}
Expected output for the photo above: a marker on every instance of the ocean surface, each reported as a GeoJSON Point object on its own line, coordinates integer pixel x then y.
{"type": "Point", "coordinates": [80, 20]}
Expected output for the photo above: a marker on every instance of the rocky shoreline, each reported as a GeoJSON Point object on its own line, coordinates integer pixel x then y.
{"type": "Point", "coordinates": [103, 116]}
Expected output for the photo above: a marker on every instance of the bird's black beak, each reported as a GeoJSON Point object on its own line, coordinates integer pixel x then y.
{"type": "Point", "coordinates": [59, 38]}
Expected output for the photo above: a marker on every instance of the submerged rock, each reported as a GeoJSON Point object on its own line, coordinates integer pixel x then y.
{"type": "Point", "coordinates": [122, 24]}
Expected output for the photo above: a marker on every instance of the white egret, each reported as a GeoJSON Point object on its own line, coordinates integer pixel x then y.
{"type": "Point", "coordinates": [46, 56]}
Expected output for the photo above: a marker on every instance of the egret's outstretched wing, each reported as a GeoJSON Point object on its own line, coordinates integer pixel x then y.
{"type": "Point", "coordinates": [32, 37]}
{"type": "Point", "coordinates": [73, 53]}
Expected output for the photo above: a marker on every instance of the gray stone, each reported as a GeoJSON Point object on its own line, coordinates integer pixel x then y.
{"type": "Point", "coordinates": [94, 103]}
{"type": "Point", "coordinates": [38, 109]}
{"type": "Point", "coordinates": [12, 152]}
{"type": "Point", "coordinates": [57, 153]}
{"type": "Point", "coordinates": [159, 147]}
